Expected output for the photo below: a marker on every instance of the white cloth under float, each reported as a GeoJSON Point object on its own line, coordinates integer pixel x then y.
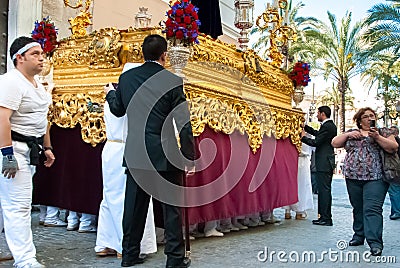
{"type": "Point", "coordinates": [303, 181]}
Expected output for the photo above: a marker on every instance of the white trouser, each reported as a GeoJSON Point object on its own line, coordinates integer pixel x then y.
{"type": "Point", "coordinates": [85, 219]}
{"type": "Point", "coordinates": [15, 201]}
{"type": "Point", "coordinates": [210, 225]}
{"type": "Point", "coordinates": [49, 213]}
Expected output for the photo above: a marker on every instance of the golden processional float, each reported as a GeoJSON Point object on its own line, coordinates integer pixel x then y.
{"type": "Point", "coordinates": [235, 98]}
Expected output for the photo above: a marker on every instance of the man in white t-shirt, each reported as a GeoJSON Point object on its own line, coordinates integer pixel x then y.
{"type": "Point", "coordinates": [24, 106]}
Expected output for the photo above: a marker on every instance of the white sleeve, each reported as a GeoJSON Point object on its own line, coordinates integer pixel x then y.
{"type": "Point", "coordinates": [10, 93]}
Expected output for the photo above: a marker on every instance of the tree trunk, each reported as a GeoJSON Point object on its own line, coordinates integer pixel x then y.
{"type": "Point", "coordinates": [342, 89]}
{"type": "Point", "coordinates": [3, 35]}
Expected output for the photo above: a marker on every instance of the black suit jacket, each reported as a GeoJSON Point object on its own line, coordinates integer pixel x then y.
{"type": "Point", "coordinates": [152, 97]}
{"type": "Point", "coordinates": [324, 154]}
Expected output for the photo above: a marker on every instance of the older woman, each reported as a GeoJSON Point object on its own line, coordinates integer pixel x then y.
{"type": "Point", "coordinates": [363, 174]}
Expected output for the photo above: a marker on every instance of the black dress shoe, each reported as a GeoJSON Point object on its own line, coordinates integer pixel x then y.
{"type": "Point", "coordinates": [395, 216]}
{"type": "Point", "coordinates": [132, 262]}
{"type": "Point", "coordinates": [185, 263]}
{"type": "Point", "coordinates": [355, 242]}
{"type": "Point", "coordinates": [376, 251]}
{"type": "Point", "coordinates": [324, 222]}
{"type": "Point", "coordinates": [313, 221]}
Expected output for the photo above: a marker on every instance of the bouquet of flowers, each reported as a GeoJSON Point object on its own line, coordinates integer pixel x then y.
{"type": "Point", "coordinates": [182, 24]}
{"type": "Point", "coordinates": [45, 33]}
{"type": "Point", "coordinates": [300, 74]}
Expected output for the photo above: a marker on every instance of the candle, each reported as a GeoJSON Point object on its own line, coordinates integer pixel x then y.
{"type": "Point", "coordinates": [275, 3]}
{"type": "Point", "coordinates": [287, 16]}
{"type": "Point", "coordinates": [313, 85]}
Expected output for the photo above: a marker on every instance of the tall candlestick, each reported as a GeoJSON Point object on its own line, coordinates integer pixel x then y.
{"type": "Point", "coordinates": [275, 4]}
{"type": "Point", "coordinates": [287, 16]}
{"type": "Point", "coordinates": [313, 85]}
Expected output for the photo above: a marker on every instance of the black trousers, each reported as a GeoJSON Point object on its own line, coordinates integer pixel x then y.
{"type": "Point", "coordinates": [324, 187]}
{"type": "Point", "coordinates": [135, 213]}
{"type": "Point", "coordinates": [366, 198]}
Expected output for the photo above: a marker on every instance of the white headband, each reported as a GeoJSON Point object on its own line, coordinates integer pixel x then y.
{"type": "Point", "coordinates": [24, 49]}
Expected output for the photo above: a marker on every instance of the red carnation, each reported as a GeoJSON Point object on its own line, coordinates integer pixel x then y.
{"type": "Point", "coordinates": [194, 15]}
{"type": "Point", "coordinates": [188, 9]}
{"type": "Point", "coordinates": [194, 25]}
{"type": "Point", "coordinates": [179, 12]}
{"type": "Point", "coordinates": [179, 34]}
{"type": "Point", "coordinates": [187, 20]}
{"type": "Point", "coordinates": [170, 33]}
{"type": "Point", "coordinates": [178, 20]}
{"type": "Point", "coordinates": [168, 23]}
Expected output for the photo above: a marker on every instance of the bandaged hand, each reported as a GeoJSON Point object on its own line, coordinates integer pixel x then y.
{"type": "Point", "coordinates": [10, 166]}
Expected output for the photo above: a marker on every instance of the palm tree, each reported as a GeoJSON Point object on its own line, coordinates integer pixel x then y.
{"type": "Point", "coordinates": [332, 97]}
{"type": "Point", "coordinates": [383, 33]}
{"type": "Point", "coordinates": [334, 50]}
{"type": "Point", "coordinates": [383, 73]}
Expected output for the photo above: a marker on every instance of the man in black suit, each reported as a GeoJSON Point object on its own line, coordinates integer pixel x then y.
{"type": "Point", "coordinates": [153, 99]}
{"type": "Point", "coordinates": [324, 162]}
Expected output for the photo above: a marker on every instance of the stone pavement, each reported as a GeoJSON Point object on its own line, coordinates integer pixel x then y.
{"type": "Point", "coordinates": [58, 248]}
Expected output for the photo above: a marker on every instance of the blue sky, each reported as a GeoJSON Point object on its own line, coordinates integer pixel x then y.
{"type": "Point", "coordinates": [318, 9]}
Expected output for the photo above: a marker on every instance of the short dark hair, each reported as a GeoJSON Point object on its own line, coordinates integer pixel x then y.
{"type": "Point", "coordinates": [153, 47]}
{"type": "Point", "coordinates": [326, 110]}
{"type": "Point", "coordinates": [19, 43]}
{"type": "Point", "coordinates": [360, 113]}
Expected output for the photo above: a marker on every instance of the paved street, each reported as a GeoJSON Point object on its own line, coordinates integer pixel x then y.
{"type": "Point", "coordinates": [58, 248]}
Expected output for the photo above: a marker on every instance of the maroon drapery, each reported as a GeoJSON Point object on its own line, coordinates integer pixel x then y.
{"type": "Point", "coordinates": [75, 180]}
{"type": "Point", "coordinates": [274, 166]}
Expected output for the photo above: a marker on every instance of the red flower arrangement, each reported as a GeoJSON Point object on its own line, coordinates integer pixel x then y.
{"type": "Point", "coordinates": [45, 33]}
{"type": "Point", "coordinates": [182, 23]}
{"type": "Point", "coordinates": [300, 74]}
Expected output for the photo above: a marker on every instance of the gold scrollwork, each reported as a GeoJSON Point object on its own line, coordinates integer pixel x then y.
{"type": "Point", "coordinates": [104, 48]}
{"type": "Point", "coordinates": [227, 115]}
{"type": "Point", "coordinates": [78, 4]}
{"type": "Point", "coordinates": [223, 116]}
{"type": "Point", "coordinates": [229, 104]}
{"type": "Point", "coordinates": [131, 53]}
{"type": "Point", "coordinates": [263, 74]}
{"type": "Point", "coordinates": [82, 20]}
{"type": "Point", "coordinates": [68, 110]}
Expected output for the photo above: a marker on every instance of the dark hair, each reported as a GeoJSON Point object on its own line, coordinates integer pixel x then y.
{"type": "Point", "coordinates": [19, 43]}
{"type": "Point", "coordinates": [361, 112]}
{"type": "Point", "coordinates": [153, 47]}
{"type": "Point", "coordinates": [326, 110]}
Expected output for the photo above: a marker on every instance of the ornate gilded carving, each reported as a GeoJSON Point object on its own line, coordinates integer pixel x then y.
{"type": "Point", "coordinates": [71, 52]}
{"type": "Point", "coordinates": [280, 32]}
{"type": "Point", "coordinates": [229, 114]}
{"type": "Point", "coordinates": [266, 76]}
{"type": "Point", "coordinates": [104, 48]}
{"type": "Point", "coordinates": [82, 20]}
{"type": "Point", "coordinates": [229, 90]}
{"type": "Point", "coordinates": [71, 109]}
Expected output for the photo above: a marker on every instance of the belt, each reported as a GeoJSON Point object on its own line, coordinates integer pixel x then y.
{"type": "Point", "coordinates": [119, 141]}
{"type": "Point", "coordinates": [34, 143]}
